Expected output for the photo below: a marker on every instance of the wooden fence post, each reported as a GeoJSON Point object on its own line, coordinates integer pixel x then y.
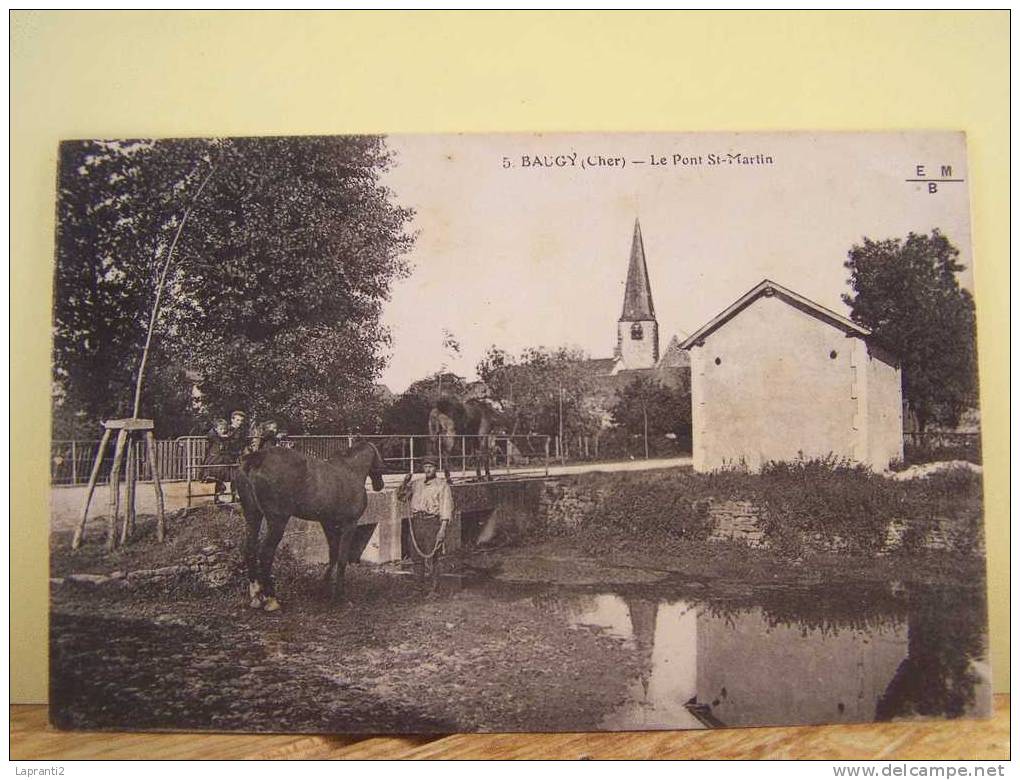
{"type": "Point", "coordinates": [130, 475]}
{"type": "Point", "coordinates": [111, 521]}
{"type": "Point", "coordinates": [79, 532]}
{"type": "Point", "coordinates": [150, 443]}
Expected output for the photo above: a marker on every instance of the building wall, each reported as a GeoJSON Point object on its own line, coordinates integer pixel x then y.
{"type": "Point", "coordinates": [885, 411]}
{"type": "Point", "coordinates": [787, 385]}
{"type": "Point", "coordinates": [639, 353]}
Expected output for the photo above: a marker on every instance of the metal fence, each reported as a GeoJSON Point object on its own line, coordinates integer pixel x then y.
{"type": "Point", "coordinates": [71, 462]}
{"type": "Point", "coordinates": [182, 459]}
{"type": "Point", "coordinates": [941, 445]}
{"type": "Point", "coordinates": [613, 445]}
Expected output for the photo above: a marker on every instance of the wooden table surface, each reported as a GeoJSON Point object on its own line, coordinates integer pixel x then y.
{"type": "Point", "coordinates": [33, 738]}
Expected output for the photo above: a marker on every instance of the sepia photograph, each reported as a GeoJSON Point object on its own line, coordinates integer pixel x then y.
{"type": "Point", "coordinates": [408, 434]}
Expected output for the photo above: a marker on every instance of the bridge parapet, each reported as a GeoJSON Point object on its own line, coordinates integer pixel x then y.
{"type": "Point", "coordinates": [482, 511]}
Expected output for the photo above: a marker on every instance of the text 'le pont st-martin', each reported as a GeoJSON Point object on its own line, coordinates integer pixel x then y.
{"type": "Point", "coordinates": [674, 160]}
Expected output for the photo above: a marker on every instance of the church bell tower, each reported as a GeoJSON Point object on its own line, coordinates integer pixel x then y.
{"type": "Point", "coordinates": [637, 331]}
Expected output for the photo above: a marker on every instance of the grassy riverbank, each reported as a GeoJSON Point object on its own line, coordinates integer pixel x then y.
{"type": "Point", "coordinates": [812, 520]}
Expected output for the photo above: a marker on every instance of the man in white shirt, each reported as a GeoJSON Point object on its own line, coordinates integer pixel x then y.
{"type": "Point", "coordinates": [431, 509]}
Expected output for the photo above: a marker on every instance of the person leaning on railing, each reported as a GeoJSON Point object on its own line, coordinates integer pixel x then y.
{"type": "Point", "coordinates": [265, 435]}
{"type": "Point", "coordinates": [218, 458]}
{"type": "Point", "coordinates": [238, 444]}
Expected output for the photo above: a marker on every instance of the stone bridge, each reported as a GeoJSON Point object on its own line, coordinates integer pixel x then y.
{"type": "Point", "coordinates": [482, 511]}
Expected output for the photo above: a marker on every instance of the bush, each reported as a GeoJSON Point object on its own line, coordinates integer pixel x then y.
{"type": "Point", "coordinates": [663, 507]}
{"type": "Point", "coordinates": [649, 505]}
{"type": "Point", "coordinates": [826, 503]}
{"type": "Point", "coordinates": [947, 503]}
{"type": "Point", "coordinates": [804, 506]}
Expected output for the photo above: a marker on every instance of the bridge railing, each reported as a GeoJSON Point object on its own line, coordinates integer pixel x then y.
{"type": "Point", "coordinates": [461, 454]}
{"type": "Point", "coordinates": [941, 445]}
{"type": "Point", "coordinates": [182, 459]}
{"type": "Point", "coordinates": [71, 461]}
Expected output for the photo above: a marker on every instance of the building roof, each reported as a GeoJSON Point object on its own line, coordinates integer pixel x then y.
{"type": "Point", "coordinates": [767, 288]}
{"type": "Point", "coordinates": [674, 356]}
{"type": "Point", "coordinates": [671, 377]}
{"type": "Point", "coordinates": [599, 366]}
{"type": "Point", "coordinates": [637, 299]}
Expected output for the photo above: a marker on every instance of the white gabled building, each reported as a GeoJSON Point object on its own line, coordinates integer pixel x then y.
{"type": "Point", "coordinates": [777, 377]}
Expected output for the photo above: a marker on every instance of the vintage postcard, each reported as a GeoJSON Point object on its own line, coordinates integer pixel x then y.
{"type": "Point", "coordinates": [551, 432]}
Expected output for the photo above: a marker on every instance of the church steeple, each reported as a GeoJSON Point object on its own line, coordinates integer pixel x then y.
{"type": "Point", "coordinates": [637, 332]}
{"type": "Point", "coordinates": [637, 300]}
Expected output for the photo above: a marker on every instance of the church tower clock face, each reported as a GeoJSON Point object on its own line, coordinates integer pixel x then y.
{"type": "Point", "coordinates": [637, 342]}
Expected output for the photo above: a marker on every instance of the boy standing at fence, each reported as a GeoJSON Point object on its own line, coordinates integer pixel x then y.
{"type": "Point", "coordinates": [238, 434]}
{"type": "Point", "coordinates": [217, 458]}
{"type": "Point", "coordinates": [237, 444]}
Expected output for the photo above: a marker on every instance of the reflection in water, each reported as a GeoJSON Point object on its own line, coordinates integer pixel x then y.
{"type": "Point", "coordinates": [664, 636]}
{"type": "Point", "coordinates": [705, 664]}
{"type": "Point", "coordinates": [945, 672]}
{"type": "Point", "coordinates": [751, 673]}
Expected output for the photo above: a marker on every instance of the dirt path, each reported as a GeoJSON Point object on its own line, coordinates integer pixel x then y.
{"type": "Point", "coordinates": [184, 655]}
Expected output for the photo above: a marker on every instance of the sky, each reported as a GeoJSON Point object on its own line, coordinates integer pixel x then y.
{"type": "Point", "coordinates": [518, 254]}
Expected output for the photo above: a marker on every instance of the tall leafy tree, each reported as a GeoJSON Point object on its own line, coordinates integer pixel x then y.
{"type": "Point", "coordinates": [541, 388]}
{"type": "Point", "coordinates": [117, 204]}
{"type": "Point", "coordinates": [408, 413]}
{"type": "Point", "coordinates": [644, 406]}
{"type": "Point", "coordinates": [906, 291]}
{"type": "Point", "coordinates": [274, 294]}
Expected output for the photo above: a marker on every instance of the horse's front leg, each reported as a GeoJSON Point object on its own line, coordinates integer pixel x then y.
{"type": "Point", "coordinates": [251, 563]}
{"type": "Point", "coordinates": [267, 551]}
{"type": "Point", "coordinates": [253, 522]}
{"type": "Point", "coordinates": [343, 555]}
{"type": "Point", "coordinates": [482, 461]}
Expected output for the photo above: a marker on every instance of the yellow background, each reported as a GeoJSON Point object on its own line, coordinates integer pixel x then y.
{"type": "Point", "coordinates": [136, 74]}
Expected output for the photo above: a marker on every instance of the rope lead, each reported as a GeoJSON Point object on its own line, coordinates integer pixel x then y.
{"type": "Point", "coordinates": [439, 542]}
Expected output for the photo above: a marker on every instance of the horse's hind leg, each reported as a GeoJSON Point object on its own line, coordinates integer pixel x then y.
{"type": "Point", "coordinates": [343, 555]}
{"type": "Point", "coordinates": [482, 461]}
{"type": "Point", "coordinates": [333, 541]}
{"type": "Point", "coordinates": [267, 551]}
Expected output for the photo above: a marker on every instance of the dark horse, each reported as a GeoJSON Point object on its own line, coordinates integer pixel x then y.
{"type": "Point", "coordinates": [277, 483]}
{"type": "Point", "coordinates": [450, 418]}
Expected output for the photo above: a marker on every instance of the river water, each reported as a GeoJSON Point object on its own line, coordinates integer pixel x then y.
{"type": "Point", "coordinates": [497, 651]}
{"type": "Point", "coordinates": [854, 653]}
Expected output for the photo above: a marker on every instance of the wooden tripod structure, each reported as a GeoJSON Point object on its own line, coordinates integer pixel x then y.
{"type": "Point", "coordinates": [126, 429]}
